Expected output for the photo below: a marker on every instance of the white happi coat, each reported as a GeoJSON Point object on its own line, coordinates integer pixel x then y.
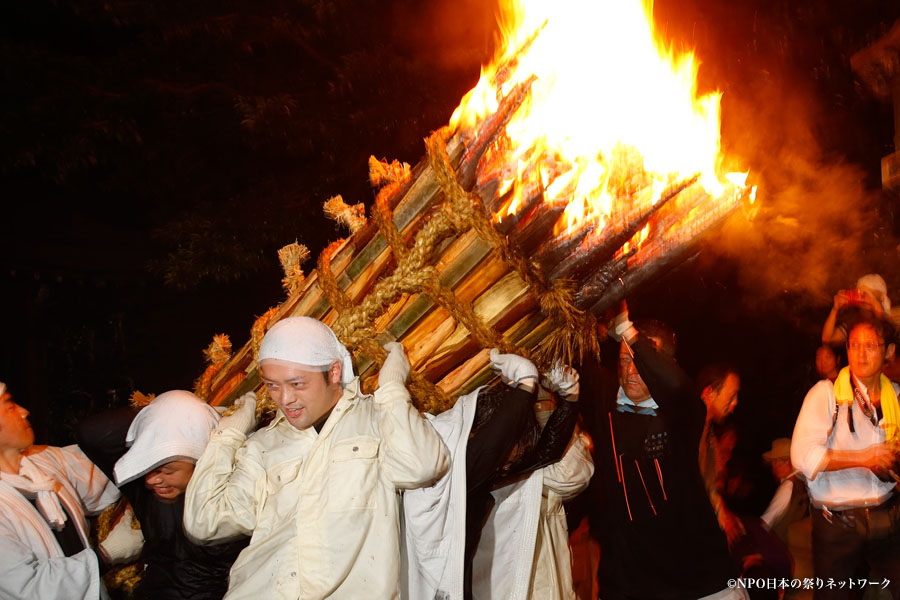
{"type": "Point", "coordinates": [322, 508]}
{"type": "Point", "coordinates": [434, 524]}
{"type": "Point", "coordinates": [32, 564]}
{"type": "Point", "coordinates": [524, 546]}
{"type": "Point", "coordinates": [434, 518]}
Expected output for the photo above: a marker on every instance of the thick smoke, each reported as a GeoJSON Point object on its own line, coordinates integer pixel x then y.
{"type": "Point", "coordinates": [816, 227]}
{"type": "Point", "coordinates": [811, 137]}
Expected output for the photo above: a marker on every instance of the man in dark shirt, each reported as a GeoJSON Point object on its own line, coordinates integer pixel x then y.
{"type": "Point", "coordinates": [648, 507]}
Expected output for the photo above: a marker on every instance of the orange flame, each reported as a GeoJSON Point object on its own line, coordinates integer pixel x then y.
{"type": "Point", "coordinates": [613, 108]}
{"type": "Point", "coordinates": [637, 240]}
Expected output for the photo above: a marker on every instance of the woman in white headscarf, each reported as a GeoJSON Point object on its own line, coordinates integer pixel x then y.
{"type": "Point", "coordinates": [45, 493]}
{"type": "Point", "coordinates": [151, 454]}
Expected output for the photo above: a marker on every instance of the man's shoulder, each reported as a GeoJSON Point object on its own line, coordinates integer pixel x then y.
{"type": "Point", "coordinates": [35, 449]}
{"type": "Point", "coordinates": [822, 390]}
{"type": "Point", "coordinates": [60, 462]}
{"type": "Point", "coordinates": [55, 455]}
{"type": "Point", "coordinates": [266, 436]}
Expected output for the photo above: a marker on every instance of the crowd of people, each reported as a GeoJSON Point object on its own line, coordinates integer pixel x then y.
{"type": "Point", "coordinates": [350, 495]}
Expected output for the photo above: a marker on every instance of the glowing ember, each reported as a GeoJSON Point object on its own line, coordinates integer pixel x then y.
{"type": "Point", "coordinates": [639, 238]}
{"type": "Point", "coordinates": [613, 117]}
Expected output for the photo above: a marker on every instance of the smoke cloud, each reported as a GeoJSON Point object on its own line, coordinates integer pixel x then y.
{"type": "Point", "coordinates": [816, 227]}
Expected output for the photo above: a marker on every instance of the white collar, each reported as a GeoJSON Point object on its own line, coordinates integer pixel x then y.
{"type": "Point", "coordinates": [624, 400]}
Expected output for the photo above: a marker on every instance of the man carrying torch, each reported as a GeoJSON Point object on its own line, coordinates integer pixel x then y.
{"type": "Point", "coordinates": [649, 509]}
{"type": "Point", "coordinates": [316, 488]}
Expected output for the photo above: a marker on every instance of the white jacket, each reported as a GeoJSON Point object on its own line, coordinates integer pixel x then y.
{"type": "Point", "coordinates": [523, 551]}
{"type": "Point", "coordinates": [322, 508]}
{"type": "Point", "coordinates": [32, 565]}
{"type": "Point", "coordinates": [524, 548]}
{"type": "Point", "coordinates": [552, 574]}
{"type": "Point", "coordinates": [816, 431]}
{"type": "Point", "coordinates": [434, 517]}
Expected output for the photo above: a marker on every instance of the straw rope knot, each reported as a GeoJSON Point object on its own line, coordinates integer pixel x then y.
{"type": "Point", "coordinates": [575, 331]}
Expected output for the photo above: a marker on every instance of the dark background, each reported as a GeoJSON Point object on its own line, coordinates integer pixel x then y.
{"type": "Point", "coordinates": [155, 155]}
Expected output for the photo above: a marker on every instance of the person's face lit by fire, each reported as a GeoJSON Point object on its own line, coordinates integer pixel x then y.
{"type": "Point", "coordinates": [721, 402]}
{"type": "Point", "coordinates": [629, 378]}
{"type": "Point", "coordinates": [15, 430]}
{"type": "Point", "coordinates": [170, 480]}
{"type": "Point", "coordinates": [304, 397]}
{"type": "Point", "coordinates": [867, 352]}
{"type": "Point", "coordinates": [826, 363]}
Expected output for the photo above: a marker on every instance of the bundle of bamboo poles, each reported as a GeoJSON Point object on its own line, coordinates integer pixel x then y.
{"type": "Point", "coordinates": [446, 268]}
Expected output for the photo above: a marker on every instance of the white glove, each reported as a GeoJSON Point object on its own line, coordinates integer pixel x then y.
{"type": "Point", "coordinates": [623, 328]}
{"type": "Point", "coordinates": [563, 380]}
{"type": "Point", "coordinates": [243, 419]}
{"type": "Point", "coordinates": [123, 544]}
{"type": "Point", "coordinates": [512, 368]}
{"type": "Point", "coordinates": [396, 365]}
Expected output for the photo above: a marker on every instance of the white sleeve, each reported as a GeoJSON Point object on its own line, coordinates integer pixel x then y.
{"type": "Point", "coordinates": [779, 503]}
{"type": "Point", "coordinates": [413, 453]}
{"type": "Point", "coordinates": [24, 575]}
{"type": "Point", "coordinates": [94, 488]}
{"type": "Point", "coordinates": [225, 491]}
{"type": "Point", "coordinates": [809, 442]}
{"type": "Point", "coordinates": [571, 474]}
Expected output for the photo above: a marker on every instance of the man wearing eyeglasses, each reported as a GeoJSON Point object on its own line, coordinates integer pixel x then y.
{"type": "Point", "coordinates": [647, 505]}
{"type": "Point", "coordinates": [847, 444]}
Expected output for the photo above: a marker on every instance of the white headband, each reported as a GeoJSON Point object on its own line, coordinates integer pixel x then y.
{"type": "Point", "coordinates": [306, 342]}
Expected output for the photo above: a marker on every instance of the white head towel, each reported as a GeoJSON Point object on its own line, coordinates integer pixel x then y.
{"type": "Point", "coordinates": [175, 426]}
{"type": "Point", "coordinates": [306, 342]}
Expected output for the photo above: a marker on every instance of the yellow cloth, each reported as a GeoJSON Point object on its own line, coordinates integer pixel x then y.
{"type": "Point", "coordinates": [843, 393]}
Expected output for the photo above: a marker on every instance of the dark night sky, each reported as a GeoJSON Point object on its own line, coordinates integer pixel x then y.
{"type": "Point", "coordinates": [155, 156]}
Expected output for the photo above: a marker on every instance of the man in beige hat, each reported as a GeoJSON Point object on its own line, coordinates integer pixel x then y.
{"type": "Point", "coordinates": [790, 502]}
{"type": "Point", "coordinates": [869, 298]}
{"type": "Point", "coordinates": [787, 516]}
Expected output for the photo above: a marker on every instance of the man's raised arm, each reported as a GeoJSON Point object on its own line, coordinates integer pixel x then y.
{"type": "Point", "coordinates": [221, 499]}
{"type": "Point", "coordinates": [413, 453]}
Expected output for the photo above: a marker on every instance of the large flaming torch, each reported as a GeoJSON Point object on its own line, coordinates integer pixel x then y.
{"type": "Point", "coordinates": [581, 166]}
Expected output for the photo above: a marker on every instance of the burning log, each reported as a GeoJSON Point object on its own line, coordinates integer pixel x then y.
{"type": "Point", "coordinates": [537, 226]}
{"type": "Point", "coordinates": [554, 250]}
{"type": "Point", "coordinates": [600, 247]}
{"type": "Point", "coordinates": [598, 283]}
{"type": "Point", "coordinates": [664, 252]}
{"type": "Point", "coordinates": [508, 67]}
{"type": "Point", "coordinates": [495, 175]}
{"type": "Point", "coordinates": [492, 126]}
